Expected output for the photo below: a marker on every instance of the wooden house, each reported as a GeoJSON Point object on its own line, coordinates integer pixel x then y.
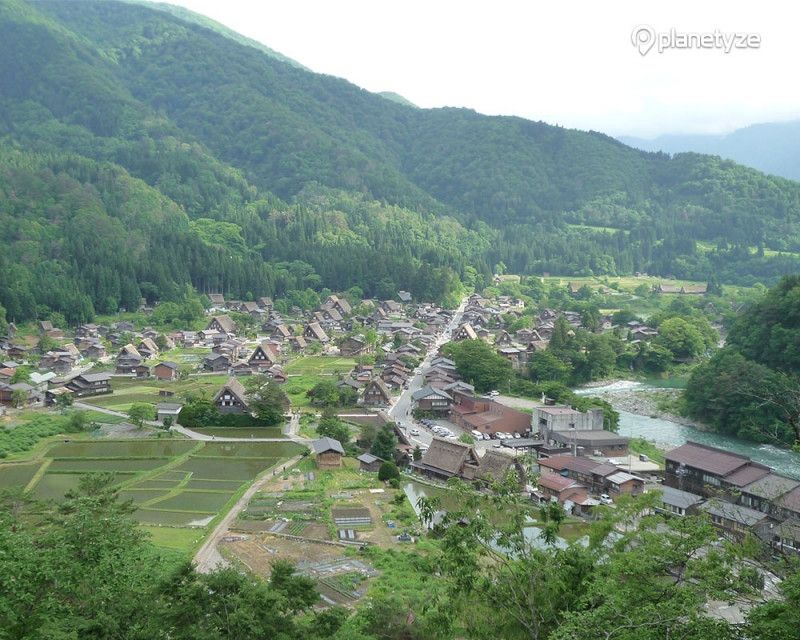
{"type": "Point", "coordinates": [166, 371]}
{"type": "Point", "coordinates": [329, 453]}
{"type": "Point", "coordinates": [376, 394]}
{"type": "Point", "coordinates": [232, 398]}
{"type": "Point", "coordinates": [222, 324]}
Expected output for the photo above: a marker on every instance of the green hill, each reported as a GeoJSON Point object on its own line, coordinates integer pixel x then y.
{"type": "Point", "coordinates": [286, 180]}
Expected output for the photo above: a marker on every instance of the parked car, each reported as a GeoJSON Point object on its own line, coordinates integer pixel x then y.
{"type": "Point", "coordinates": [414, 431]}
{"type": "Point", "coordinates": [494, 392]}
{"type": "Point", "coordinates": [516, 435]}
{"type": "Point", "coordinates": [486, 436]}
{"type": "Point", "coordinates": [606, 499]}
{"type": "Point", "coordinates": [496, 444]}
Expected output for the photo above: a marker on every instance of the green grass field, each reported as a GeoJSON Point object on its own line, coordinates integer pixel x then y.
{"type": "Point", "coordinates": [128, 391]}
{"type": "Point", "coordinates": [307, 371]}
{"type": "Point", "coordinates": [320, 365]}
{"type": "Point", "coordinates": [179, 539]}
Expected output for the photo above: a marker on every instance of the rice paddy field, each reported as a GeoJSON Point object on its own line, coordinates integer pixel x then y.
{"type": "Point", "coordinates": [179, 485]}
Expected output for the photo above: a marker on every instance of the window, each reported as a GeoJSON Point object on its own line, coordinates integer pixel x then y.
{"type": "Point", "coordinates": [710, 479]}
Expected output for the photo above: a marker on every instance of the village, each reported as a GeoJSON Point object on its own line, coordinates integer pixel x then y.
{"type": "Point", "coordinates": [389, 372]}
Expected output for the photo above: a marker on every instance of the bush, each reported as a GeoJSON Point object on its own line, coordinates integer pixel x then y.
{"type": "Point", "coordinates": [388, 471]}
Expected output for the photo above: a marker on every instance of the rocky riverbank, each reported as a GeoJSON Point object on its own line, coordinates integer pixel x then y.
{"type": "Point", "coordinates": [634, 397]}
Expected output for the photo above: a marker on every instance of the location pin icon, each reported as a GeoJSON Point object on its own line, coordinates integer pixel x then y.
{"type": "Point", "coordinates": [643, 38]}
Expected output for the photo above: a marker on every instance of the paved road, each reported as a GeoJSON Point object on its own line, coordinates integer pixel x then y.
{"type": "Point", "coordinates": [208, 557]}
{"type": "Point", "coordinates": [400, 411]}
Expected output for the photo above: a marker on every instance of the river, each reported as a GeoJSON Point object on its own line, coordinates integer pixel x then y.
{"type": "Point", "coordinates": [671, 433]}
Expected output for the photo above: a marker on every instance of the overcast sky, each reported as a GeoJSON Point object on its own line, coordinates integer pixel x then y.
{"type": "Point", "coordinates": [566, 62]}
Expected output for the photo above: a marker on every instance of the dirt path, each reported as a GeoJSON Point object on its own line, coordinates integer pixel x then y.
{"type": "Point", "coordinates": [208, 557]}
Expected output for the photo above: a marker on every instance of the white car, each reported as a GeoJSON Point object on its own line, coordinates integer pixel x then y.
{"type": "Point", "coordinates": [494, 392]}
{"type": "Point", "coordinates": [517, 436]}
{"type": "Point", "coordinates": [496, 444]}
{"type": "Point", "coordinates": [414, 431]}
{"type": "Point", "coordinates": [606, 499]}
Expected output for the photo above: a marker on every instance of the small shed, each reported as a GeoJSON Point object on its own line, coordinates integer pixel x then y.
{"type": "Point", "coordinates": [368, 462]}
{"type": "Point", "coordinates": [329, 453]}
{"type": "Point", "coordinates": [168, 409]}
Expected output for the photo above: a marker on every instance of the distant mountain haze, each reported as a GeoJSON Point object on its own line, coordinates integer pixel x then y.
{"type": "Point", "coordinates": [772, 147]}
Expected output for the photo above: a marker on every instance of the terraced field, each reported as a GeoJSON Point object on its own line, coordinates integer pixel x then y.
{"type": "Point", "coordinates": [174, 483]}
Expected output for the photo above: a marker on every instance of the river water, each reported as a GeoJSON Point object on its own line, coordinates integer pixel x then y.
{"type": "Point", "coordinates": [671, 433]}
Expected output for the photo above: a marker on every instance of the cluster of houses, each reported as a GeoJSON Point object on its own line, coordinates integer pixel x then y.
{"type": "Point", "coordinates": [739, 495]}
{"type": "Point", "coordinates": [486, 320]}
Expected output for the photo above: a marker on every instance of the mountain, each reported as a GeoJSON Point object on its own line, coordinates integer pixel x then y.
{"type": "Point", "coordinates": [198, 19]}
{"type": "Point", "coordinates": [396, 97]}
{"type": "Point", "coordinates": [772, 147]}
{"type": "Point", "coordinates": [143, 151]}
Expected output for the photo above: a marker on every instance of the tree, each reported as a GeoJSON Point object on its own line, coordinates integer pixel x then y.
{"type": "Point", "coordinates": [330, 426]}
{"type": "Point", "coordinates": [740, 397]}
{"type": "Point", "coordinates": [21, 374]}
{"type": "Point", "coordinates": [64, 401]}
{"type": "Point", "coordinates": [19, 398]}
{"type": "Point", "coordinates": [653, 358]}
{"type": "Point", "coordinates": [45, 344]}
{"type": "Point", "coordinates": [561, 334]}
{"type": "Point", "coordinates": [681, 338]}
{"type": "Point", "coordinates": [778, 619]}
{"type": "Point", "coordinates": [478, 363]}
{"type": "Point", "coordinates": [141, 412]}
{"type": "Point", "coordinates": [300, 591]}
{"type": "Point", "coordinates": [367, 435]}
{"type": "Point", "coordinates": [546, 366]}
{"type": "Point", "coordinates": [387, 471]}
{"type": "Point", "coordinates": [267, 400]}
{"type": "Point", "coordinates": [385, 443]}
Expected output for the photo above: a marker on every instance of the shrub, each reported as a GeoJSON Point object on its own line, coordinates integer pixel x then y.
{"type": "Point", "coordinates": [388, 471]}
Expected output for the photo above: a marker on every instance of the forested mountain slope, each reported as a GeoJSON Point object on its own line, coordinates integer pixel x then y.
{"type": "Point", "coordinates": [278, 179]}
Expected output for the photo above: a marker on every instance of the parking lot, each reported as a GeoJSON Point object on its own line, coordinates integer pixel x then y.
{"type": "Point", "coordinates": [422, 432]}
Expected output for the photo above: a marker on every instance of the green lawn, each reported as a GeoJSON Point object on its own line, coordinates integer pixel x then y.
{"type": "Point", "coordinates": [297, 386]}
{"type": "Point", "coordinates": [179, 539]}
{"type": "Point", "coordinates": [320, 365]}
{"type": "Point", "coordinates": [128, 391]}
{"type": "Point", "coordinates": [640, 445]}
